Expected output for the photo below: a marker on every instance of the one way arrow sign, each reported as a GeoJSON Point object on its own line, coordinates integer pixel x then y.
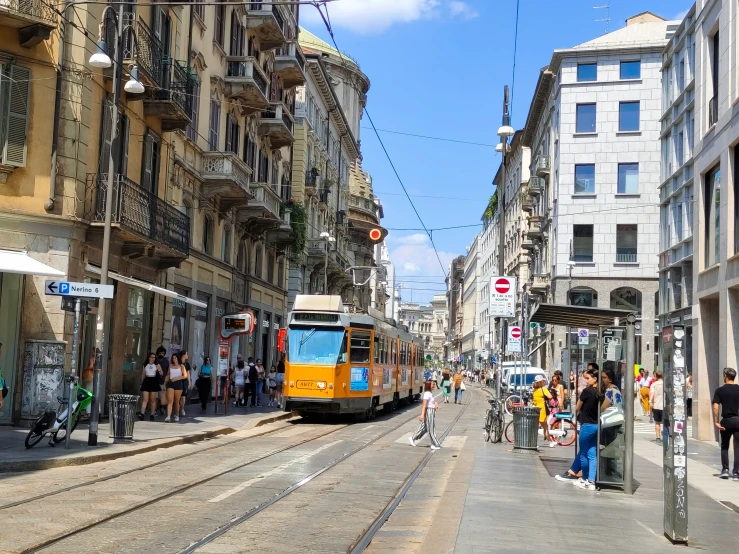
{"type": "Point", "coordinates": [69, 288]}
{"type": "Point", "coordinates": [51, 287]}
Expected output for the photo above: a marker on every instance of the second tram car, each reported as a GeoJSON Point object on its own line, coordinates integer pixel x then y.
{"type": "Point", "coordinates": [340, 362]}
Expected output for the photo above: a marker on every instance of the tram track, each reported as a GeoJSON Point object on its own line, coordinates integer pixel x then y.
{"type": "Point", "coordinates": [41, 545]}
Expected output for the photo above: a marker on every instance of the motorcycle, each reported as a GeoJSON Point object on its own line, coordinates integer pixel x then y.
{"type": "Point", "coordinates": [53, 424]}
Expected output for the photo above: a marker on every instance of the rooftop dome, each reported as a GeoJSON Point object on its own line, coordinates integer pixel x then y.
{"type": "Point", "coordinates": [310, 41]}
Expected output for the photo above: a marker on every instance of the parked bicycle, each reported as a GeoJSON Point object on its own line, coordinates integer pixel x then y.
{"type": "Point", "coordinates": [54, 425]}
{"type": "Point", "coordinates": [493, 429]}
{"type": "Point", "coordinates": [515, 401]}
{"type": "Point", "coordinates": [563, 430]}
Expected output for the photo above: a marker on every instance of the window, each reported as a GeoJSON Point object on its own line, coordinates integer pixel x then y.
{"type": "Point", "coordinates": [200, 10]}
{"type": "Point", "coordinates": [583, 297]}
{"type": "Point", "coordinates": [241, 258]}
{"type": "Point", "coordinates": [628, 116]}
{"type": "Point", "coordinates": [585, 179]}
{"type": "Point", "coordinates": [626, 241]}
{"type": "Point", "coordinates": [192, 128]}
{"type": "Point", "coordinates": [736, 200]}
{"type": "Point", "coordinates": [14, 110]}
{"type": "Point", "coordinates": [150, 162]}
{"type": "Point", "coordinates": [281, 272]}
{"type": "Point", "coordinates": [258, 262]}
{"type": "Point", "coordinates": [712, 220]}
{"type": "Point", "coordinates": [587, 72]}
{"type": "Point", "coordinates": [631, 70]}
{"type": "Point", "coordinates": [585, 118]}
{"type": "Point", "coordinates": [681, 76]}
{"type": "Point", "coordinates": [207, 243]}
{"type": "Point", "coordinates": [628, 178]}
{"type": "Point", "coordinates": [270, 268]}
{"type": "Point", "coordinates": [237, 35]}
{"type": "Point", "coordinates": [215, 124]}
{"type": "Point", "coordinates": [220, 24]}
{"type": "Point", "coordinates": [713, 102]}
{"type": "Point", "coordinates": [226, 244]}
{"type": "Point", "coordinates": [360, 347]}
{"type": "Point", "coordinates": [627, 298]}
{"type": "Point", "coordinates": [679, 150]}
{"type": "Point", "coordinates": [249, 150]}
{"type": "Point", "coordinates": [582, 243]}
{"type": "Point", "coordinates": [232, 134]}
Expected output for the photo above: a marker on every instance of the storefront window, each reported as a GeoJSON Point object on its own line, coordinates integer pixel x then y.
{"type": "Point", "coordinates": [178, 331]}
{"type": "Point", "coordinates": [201, 336]}
{"type": "Point", "coordinates": [137, 341]}
{"type": "Point", "coordinates": [10, 287]}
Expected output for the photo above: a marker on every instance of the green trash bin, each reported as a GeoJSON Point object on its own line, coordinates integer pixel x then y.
{"type": "Point", "coordinates": [526, 428]}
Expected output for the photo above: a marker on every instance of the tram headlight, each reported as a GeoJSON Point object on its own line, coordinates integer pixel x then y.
{"type": "Point", "coordinates": [330, 385]}
{"type": "Point", "coordinates": [292, 383]}
{"type": "Point", "coordinates": [321, 384]}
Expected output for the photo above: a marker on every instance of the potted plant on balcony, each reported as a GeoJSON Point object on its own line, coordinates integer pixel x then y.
{"type": "Point", "coordinates": [298, 224]}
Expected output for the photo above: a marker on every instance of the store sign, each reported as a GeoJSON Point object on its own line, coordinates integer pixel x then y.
{"type": "Point", "coordinates": [502, 296]}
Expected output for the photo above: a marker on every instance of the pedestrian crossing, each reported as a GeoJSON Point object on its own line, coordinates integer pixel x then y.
{"type": "Point", "coordinates": [646, 428]}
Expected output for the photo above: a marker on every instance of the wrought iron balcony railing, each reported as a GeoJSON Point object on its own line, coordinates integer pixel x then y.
{"type": "Point", "coordinates": [29, 10]}
{"type": "Point", "coordinates": [138, 211]}
{"type": "Point", "coordinates": [625, 258]}
{"type": "Point", "coordinates": [178, 85]}
{"type": "Point", "coordinates": [142, 47]}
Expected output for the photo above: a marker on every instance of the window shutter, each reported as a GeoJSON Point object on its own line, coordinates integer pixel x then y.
{"type": "Point", "coordinates": [228, 134]}
{"type": "Point", "coordinates": [16, 131]}
{"type": "Point", "coordinates": [123, 141]}
{"type": "Point", "coordinates": [107, 137]}
{"type": "Point", "coordinates": [146, 166]}
{"type": "Point", "coordinates": [234, 37]}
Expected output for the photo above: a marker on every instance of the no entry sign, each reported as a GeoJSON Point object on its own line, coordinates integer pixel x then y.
{"type": "Point", "coordinates": [514, 339]}
{"type": "Point", "coordinates": [502, 296]}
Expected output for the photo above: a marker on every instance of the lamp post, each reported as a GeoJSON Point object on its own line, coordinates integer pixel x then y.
{"type": "Point", "coordinates": [101, 59]}
{"type": "Point", "coordinates": [325, 235]}
{"type": "Point", "coordinates": [570, 266]}
{"type": "Point", "coordinates": [504, 132]}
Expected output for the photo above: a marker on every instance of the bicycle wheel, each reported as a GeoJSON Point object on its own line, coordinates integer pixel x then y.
{"type": "Point", "coordinates": [510, 402]}
{"type": "Point", "coordinates": [32, 439]}
{"type": "Point", "coordinates": [497, 432]}
{"type": "Point", "coordinates": [565, 432]}
{"type": "Point", "coordinates": [509, 435]}
{"type": "Point", "coordinates": [488, 426]}
{"type": "Point", "coordinates": [61, 433]}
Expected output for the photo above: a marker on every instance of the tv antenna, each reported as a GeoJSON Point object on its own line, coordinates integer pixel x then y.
{"type": "Point", "coordinates": [607, 18]}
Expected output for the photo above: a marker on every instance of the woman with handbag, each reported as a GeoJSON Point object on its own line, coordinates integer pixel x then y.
{"type": "Point", "coordinates": [541, 399]}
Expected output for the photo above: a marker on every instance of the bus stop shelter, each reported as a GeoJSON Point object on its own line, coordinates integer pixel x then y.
{"type": "Point", "coordinates": [616, 340]}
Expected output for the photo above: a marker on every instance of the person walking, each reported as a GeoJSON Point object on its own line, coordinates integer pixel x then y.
{"type": "Point", "coordinates": [150, 372]}
{"type": "Point", "coordinates": [162, 362]}
{"type": "Point", "coordinates": [557, 389]}
{"type": "Point", "coordinates": [446, 385]}
{"type": "Point", "coordinates": [689, 396]}
{"type": "Point", "coordinates": [280, 378]}
{"type": "Point", "coordinates": [272, 383]}
{"type": "Point", "coordinates": [187, 385]}
{"type": "Point", "coordinates": [260, 382]}
{"type": "Point", "coordinates": [644, 391]}
{"type": "Point", "coordinates": [540, 399]}
{"type": "Point", "coordinates": [251, 384]}
{"type": "Point", "coordinates": [239, 380]}
{"type": "Point", "coordinates": [458, 384]}
{"type": "Point", "coordinates": [657, 403]}
{"type": "Point", "coordinates": [727, 397]}
{"type": "Point", "coordinates": [204, 383]}
{"type": "Point", "coordinates": [428, 413]}
{"type": "Point", "coordinates": [175, 382]}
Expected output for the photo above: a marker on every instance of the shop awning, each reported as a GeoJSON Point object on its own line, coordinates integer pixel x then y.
{"type": "Point", "coordinates": [576, 316]}
{"type": "Point", "coordinates": [147, 286]}
{"type": "Point", "coordinates": [18, 261]}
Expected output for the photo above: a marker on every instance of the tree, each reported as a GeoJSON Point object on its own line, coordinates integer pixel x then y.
{"type": "Point", "coordinates": [492, 207]}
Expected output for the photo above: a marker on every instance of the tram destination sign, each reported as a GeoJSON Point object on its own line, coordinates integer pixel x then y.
{"type": "Point", "coordinates": [69, 288]}
{"type": "Point", "coordinates": [316, 317]}
{"type": "Point", "coordinates": [502, 296]}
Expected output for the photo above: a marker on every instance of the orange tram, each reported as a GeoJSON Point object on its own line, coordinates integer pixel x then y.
{"type": "Point", "coordinates": [346, 363]}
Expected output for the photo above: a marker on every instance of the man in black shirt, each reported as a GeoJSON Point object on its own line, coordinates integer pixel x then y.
{"type": "Point", "coordinates": [163, 362]}
{"type": "Point", "coordinates": [727, 396]}
{"type": "Point", "coordinates": [251, 386]}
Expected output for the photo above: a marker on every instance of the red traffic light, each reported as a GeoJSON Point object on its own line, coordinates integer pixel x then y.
{"type": "Point", "coordinates": [375, 235]}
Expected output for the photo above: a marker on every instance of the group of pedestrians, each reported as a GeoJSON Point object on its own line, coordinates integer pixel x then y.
{"type": "Point", "coordinates": [450, 383]}
{"type": "Point", "coordinates": [166, 384]}
{"type": "Point", "coordinates": [250, 380]}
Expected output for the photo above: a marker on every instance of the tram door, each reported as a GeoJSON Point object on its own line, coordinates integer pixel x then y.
{"type": "Point", "coordinates": [611, 380]}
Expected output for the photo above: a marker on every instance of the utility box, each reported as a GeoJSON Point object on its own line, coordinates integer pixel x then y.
{"type": "Point", "coordinates": [43, 378]}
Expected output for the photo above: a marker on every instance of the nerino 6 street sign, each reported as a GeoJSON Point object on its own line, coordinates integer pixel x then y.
{"type": "Point", "coordinates": [502, 296]}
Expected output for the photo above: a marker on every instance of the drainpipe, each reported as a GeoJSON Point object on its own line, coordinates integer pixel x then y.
{"type": "Point", "coordinates": [189, 38]}
{"type": "Point", "coordinates": [49, 204]}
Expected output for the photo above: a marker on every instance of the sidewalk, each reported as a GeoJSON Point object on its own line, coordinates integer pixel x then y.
{"type": "Point", "coordinates": [147, 436]}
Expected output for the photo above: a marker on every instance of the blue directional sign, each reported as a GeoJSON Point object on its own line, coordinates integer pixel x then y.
{"type": "Point", "coordinates": [88, 290]}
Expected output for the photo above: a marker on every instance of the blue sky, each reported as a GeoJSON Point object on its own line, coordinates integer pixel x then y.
{"type": "Point", "coordinates": [438, 68]}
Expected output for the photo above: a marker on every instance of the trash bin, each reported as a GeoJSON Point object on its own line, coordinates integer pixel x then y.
{"type": "Point", "coordinates": [122, 416]}
{"type": "Point", "coordinates": [526, 428]}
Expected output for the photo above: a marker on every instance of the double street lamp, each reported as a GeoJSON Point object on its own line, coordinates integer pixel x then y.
{"type": "Point", "coordinates": [101, 59]}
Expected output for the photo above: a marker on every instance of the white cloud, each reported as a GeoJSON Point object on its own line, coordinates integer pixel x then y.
{"type": "Point", "coordinates": [415, 255]}
{"type": "Point", "coordinates": [375, 16]}
{"type": "Point", "coordinates": [679, 16]}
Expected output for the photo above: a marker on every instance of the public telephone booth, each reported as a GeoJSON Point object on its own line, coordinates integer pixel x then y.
{"type": "Point", "coordinates": [615, 345]}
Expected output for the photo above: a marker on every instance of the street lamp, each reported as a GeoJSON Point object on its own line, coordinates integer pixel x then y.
{"type": "Point", "coordinates": [101, 59]}
{"type": "Point", "coordinates": [325, 235]}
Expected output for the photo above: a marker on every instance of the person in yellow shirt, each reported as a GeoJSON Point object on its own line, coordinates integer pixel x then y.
{"type": "Point", "coordinates": [540, 399]}
{"type": "Point", "coordinates": [458, 387]}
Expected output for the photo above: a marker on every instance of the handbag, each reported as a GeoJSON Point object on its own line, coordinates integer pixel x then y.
{"type": "Point", "coordinates": [612, 416]}
{"type": "Point", "coordinates": [462, 386]}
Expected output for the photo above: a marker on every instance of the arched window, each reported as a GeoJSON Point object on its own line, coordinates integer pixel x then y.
{"type": "Point", "coordinates": [207, 237]}
{"type": "Point", "coordinates": [626, 298]}
{"type": "Point", "coordinates": [258, 261]}
{"type": "Point", "coordinates": [226, 244]}
{"type": "Point", "coordinates": [271, 268]}
{"type": "Point", "coordinates": [241, 257]}
{"type": "Point", "coordinates": [186, 209]}
{"type": "Point", "coordinates": [583, 296]}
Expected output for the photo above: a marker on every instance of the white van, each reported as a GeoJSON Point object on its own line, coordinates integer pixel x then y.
{"type": "Point", "coordinates": [514, 367]}
{"type": "Point", "coordinates": [515, 379]}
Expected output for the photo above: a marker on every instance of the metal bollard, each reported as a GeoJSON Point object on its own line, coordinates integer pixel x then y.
{"type": "Point", "coordinates": [526, 428]}
{"type": "Point", "coordinates": [122, 417]}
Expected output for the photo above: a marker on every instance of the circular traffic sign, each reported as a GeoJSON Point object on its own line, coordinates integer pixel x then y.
{"type": "Point", "coordinates": [502, 286]}
{"type": "Point", "coordinates": [516, 332]}
{"type": "Point", "coordinates": [375, 234]}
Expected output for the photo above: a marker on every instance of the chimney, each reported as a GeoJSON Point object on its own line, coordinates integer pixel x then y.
{"type": "Point", "coordinates": [644, 17]}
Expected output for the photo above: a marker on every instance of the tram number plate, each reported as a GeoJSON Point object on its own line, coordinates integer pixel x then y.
{"type": "Point", "coordinates": [307, 385]}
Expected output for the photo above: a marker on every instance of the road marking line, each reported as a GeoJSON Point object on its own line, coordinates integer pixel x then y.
{"type": "Point", "coordinates": [246, 484]}
{"type": "Point", "coordinates": [640, 524]}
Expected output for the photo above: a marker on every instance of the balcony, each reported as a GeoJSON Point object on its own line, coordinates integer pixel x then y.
{"type": "Point", "coordinates": [283, 236]}
{"type": "Point", "coordinates": [267, 23]}
{"type": "Point", "coordinates": [540, 283]}
{"type": "Point", "coordinates": [528, 244]}
{"type": "Point", "coordinates": [542, 166]}
{"type": "Point", "coordinates": [315, 248]}
{"type": "Point", "coordinates": [626, 258]}
{"type": "Point", "coordinates": [245, 81]}
{"type": "Point", "coordinates": [363, 205]}
{"type": "Point", "coordinates": [226, 178]}
{"type": "Point", "coordinates": [173, 102]}
{"type": "Point", "coordinates": [143, 48]}
{"type": "Point", "coordinates": [311, 180]}
{"type": "Point", "coordinates": [263, 210]}
{"type": "Point", "coordinates": [277, 125]}
{"type": "Point", "coordinates": [290, 65]}
{"type": "Point", "coordinates": [527, 201]}
{"type": "Point", "coordinates": [34, 19]}
{"type": "Point", "coordinates": [535, 227]}
{"type": "Point", "coordinates": [536, 187]}
{"type": "Point", "coordinates": [144, 223]}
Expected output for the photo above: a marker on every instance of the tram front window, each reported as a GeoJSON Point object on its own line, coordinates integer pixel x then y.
{"type": "Point", "coordinates": [317, 346]}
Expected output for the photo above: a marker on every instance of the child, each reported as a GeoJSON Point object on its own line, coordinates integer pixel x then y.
{"type": "Point", "coordinates": [272, 381]}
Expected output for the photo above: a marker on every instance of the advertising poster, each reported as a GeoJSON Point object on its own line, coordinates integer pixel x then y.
{"type": "Point", "coordinates": [359, 378]}
{"type": "Point", "coordinates": [223, 359]}
{"type": "Point", "coordinates": [385, 378]}
{"type": "Point", "coordinates": [177, 331]}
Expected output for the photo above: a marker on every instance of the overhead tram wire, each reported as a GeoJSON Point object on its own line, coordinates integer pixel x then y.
{"type": "Point", "coordinates": [414, 135]}
{"type": "Point", "coordinates": [327, 23]}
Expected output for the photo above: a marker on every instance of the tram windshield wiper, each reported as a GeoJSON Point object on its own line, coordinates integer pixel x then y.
{"type": "Point", "coordinates": [305, 338]}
